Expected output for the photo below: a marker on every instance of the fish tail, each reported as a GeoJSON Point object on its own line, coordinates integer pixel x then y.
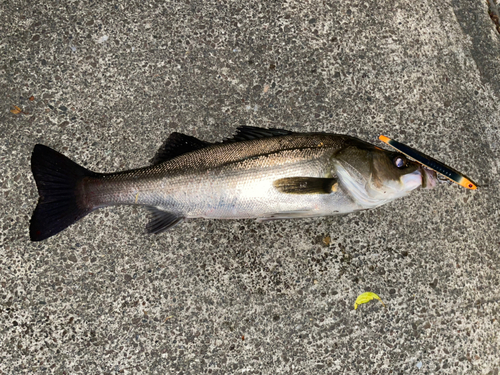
{"type": "Point", "coordinates": [59, 205]}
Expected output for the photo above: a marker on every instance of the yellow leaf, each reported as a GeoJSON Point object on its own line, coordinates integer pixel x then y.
{"type": "Point", "coordinates": [326, 240]}
{"type": "Point", "coordinates": [16, 110]}
{"type": "Point", "coordinates": [366, 297]}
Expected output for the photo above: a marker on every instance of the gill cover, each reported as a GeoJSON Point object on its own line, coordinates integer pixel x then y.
{"type": "Point", "coordinates": [374, 176]}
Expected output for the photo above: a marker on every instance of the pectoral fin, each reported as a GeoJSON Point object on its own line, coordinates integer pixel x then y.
{"type": "Point", "coordinates": [306, 185]}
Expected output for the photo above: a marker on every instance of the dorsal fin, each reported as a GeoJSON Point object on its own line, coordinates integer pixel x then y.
{"type": "Point", "coordinates": [177, 144]}
{"type": "Point", "coordinates": [247, 133]}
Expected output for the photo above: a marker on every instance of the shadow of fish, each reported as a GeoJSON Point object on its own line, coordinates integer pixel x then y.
{"type": "Point", "coordinates": [264, 174]}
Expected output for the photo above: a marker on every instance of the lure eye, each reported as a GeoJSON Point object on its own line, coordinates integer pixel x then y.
{"type": "Point", "coordinates": [400, 162]}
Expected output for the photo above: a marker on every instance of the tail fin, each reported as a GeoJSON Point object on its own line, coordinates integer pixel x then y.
{"type": "Point", "coordinates": [57, 179]}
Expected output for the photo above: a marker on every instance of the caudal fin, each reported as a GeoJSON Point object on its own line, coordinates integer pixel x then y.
{"type": "Point", "coordinates": [57, 179]}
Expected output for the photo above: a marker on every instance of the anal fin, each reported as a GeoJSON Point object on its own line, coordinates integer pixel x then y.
{"type": "Point", "coordinates": [298, 214]}
{"type": "Point", "coordinates": [306, 185]}
{"type": "Point", "coordinates": [161, 220]}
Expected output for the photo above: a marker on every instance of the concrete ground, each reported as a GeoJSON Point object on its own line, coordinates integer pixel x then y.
{"type": "Point", "coordinates": [106, 82]}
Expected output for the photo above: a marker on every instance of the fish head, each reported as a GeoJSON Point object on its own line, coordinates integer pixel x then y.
{"type": "Point", "coordinates": [374, 176]}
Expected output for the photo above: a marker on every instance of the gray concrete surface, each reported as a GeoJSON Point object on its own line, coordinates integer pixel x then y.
{"type": "Point", "coordinates": [110, 81]}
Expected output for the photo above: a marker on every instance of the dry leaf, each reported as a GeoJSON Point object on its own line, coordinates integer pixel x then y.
{"type": "Point", "coordinates": [16, 110]}
{"type": "Point", "coordinates": [31, 98]}
{"type": "Point", "coordinates": [326, 240]}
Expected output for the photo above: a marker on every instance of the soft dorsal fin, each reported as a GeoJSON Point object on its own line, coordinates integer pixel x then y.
{"type": "Point", "coordinates": [247, 133]}
{"type": "Point", "coordinates": [306, 185]}
{"type": "Point", "coordinates": [177, 144]}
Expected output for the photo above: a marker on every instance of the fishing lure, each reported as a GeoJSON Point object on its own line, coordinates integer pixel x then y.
{"type": "Point", "coordinates": [431, 163]}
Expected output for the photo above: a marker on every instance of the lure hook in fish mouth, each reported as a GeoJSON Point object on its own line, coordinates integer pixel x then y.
{"type": "Point", "coordinates": [431, 179]}
{"type": "Point", "coordinates": [441, 179]}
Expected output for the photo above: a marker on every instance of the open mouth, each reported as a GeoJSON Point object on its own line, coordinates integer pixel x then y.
{"type": "Point", "coordinates": [430, 178]}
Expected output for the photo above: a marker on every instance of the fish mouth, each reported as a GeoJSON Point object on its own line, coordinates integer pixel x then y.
{"type": "Point", "coordinates": [430, 178]}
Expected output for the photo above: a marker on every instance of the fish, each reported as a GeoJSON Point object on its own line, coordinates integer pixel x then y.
{"type": "Point", "coordinates": [258, 173]}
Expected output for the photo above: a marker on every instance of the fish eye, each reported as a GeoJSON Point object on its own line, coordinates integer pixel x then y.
{"type": "Point", "coordinates": [400, 161]}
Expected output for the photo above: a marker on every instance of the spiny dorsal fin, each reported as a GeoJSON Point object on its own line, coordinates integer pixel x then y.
{"type": "Point", "coordinates": [177, 144]}
{"type": "Point", "coordinates": [247, 133]}
{"type": "Point", "coordinates": [161, 220]}
{"type": "Point", "coordinates": [306, 185]}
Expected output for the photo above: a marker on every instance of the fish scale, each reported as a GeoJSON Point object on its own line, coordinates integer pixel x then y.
{"type": "Point", "coordinates": [229, 189]}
